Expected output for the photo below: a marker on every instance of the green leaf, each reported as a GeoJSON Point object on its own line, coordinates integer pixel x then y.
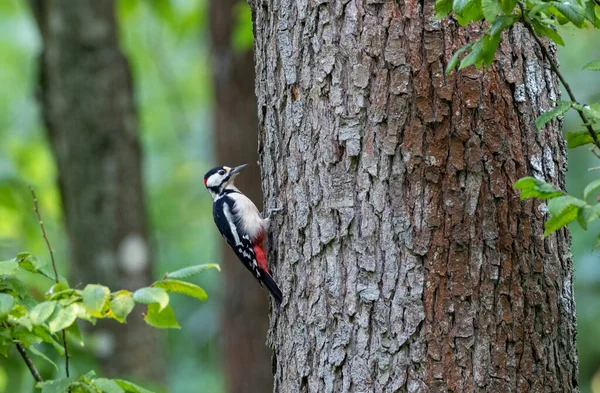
{"type": "Point", "coordinates": [107, 385]}
{"type": "Point", "coordinates": [151, 295]}
{"type": "Point", "coordinates": [454, 60]}
{"type": "Point", "coordinates": [592, 111]}
{"type": "Point", "coordinates": [565, 217]}
{"type": "Point", "coordinates": [95, 298]}
{"type": "Point", "coordinates": [57, 288]}
{"type": "Point", "coordinates": [578, 138]}
{"type": "Point", "coordinates": [543, 30]}
{"type": "Point", "coordinates": [74, 332]}
{"type": "Point", "coordinates": [162, 319]}
{"type": "Point", "coordinates": [39, 353]}
{"type": "Point", "coordinates": [41, 312]}
{"type": "Point", "coordinates": [56, 386]}
{"type": "Point", "coordinates": [591, 187]}
{"type": "Point", "coordinates": [570, 10]}
{"type": "Point", "coordinates": [121, 306]}
{"type": "Point", "coordinates": [490, 44]}
{"type": "Point", "coordinates": [182, 287]}
{"type": "Point", "coordinates": [592, 66]}
{"type": "Point", "coordinates": [62, 318]}
{"type": "Point", "coordinates": [442, 8]}
{"type": "Point", "coordinates": [30, 262]}
{"type": "Point", "coordinates": [491, 9]}
{"type": "Point", "coordinates": [534, 188]}
{"type": "Point", "coordinates": [502, 23]}
{"type": "Point", "coordinates": [556, 206]}
{"type": "Point", "coordinates": [586, 215]}
{"type": "Point", "coordinates": [9, 268]}
{"type": "Point", "coordinates": [131, 387]}
{"type": "Point", "coordinates": [192, 270]}
{"type": "Point", "coordinates": [508, 5]}
{"type": "Point", "coordinates": [6, 304]}
{"type": "Point", "coordinates": [560, 109]}
{"type": "Point", "coordinates": [474, 56]}
{"type": "Point", "coordinates": [467, 11]}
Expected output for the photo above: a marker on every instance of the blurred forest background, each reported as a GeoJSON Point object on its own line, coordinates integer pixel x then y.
{"type": "Point", "coordinates": [183, 103]}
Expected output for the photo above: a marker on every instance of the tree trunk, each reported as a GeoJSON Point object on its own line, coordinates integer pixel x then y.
{"type": "Point", "coordinates": [87, 102]}
{"type": "Point", "coordinates": [245, 308]}
{"type": "Point", "coordinates": [406, 258]}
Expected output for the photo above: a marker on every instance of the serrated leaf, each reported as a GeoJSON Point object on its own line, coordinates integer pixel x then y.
{"type": "Point", "coordinates": [56, 386]}
{"type": "Point", "coordinates": [491, 9]}
{"type": "Point", "coordinates": [570, 10]}
{"type": "Point", "coordinates": [95, 298]}
{"type": "Point", "coordinates": [591, 187]}
{"type": "Point", "coordinates": [442, 8]}
{"type": "Point", "coordinates": [567, 215]}
{"type": "Point", "coordinates": [40, 313]}
{"type": "Point", "coordinates": [534, 188]}
{"type": "Point", "coordinates": [162, 319]}
{"type": "Point", "coordinates": [508, 6]}
{"type": "Point", "coordinates": [556, 206]}
{"type": "Point", "coordinates": [30, 262]}
{"type": "Point", "coordinates": [560, 109]}
{"type": "Point", "coordinates": [578, 138]}
{"type": "Point", "coordinates": [502, 23]}
{"type": "Point", "coordinates": [545, 31]}
{"type": "Point", "coordinates": [9, 268]}
{"type": "Point", "coordinates": [182, 287]}
{"type": "Point", "coordinates": [62, 318]}
{"type": "Point", "coordinates": [39, 353]}
{"type": "Point", "coordinates": [131, 387]}
{"type": "Point", "coordinates": [592, 66]}
{"type": "Point", "coordinates": [474, 55]}
{"type": "Point", "coordinates": [467, 11]}
{"type": "Point", "coordinates": [586, 215]}
{"type": "Point", "coordinates": [107, 385]}
{"type": "Point", "coordinates": [74, 332]}
{"type": "Point", "coordinates": [6, 304]}
{"type": "Point", "coordinates": [151, 295]}
{"type": "Point", "coordinates": [42, 333]}
{"type": "Point", "coordinates": [190, 271]}
{"type": "Point", "coordinates": [121, 306]}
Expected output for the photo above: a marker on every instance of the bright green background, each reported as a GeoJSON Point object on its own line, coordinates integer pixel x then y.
{"type": "Point", "coordinates": [166, 43]}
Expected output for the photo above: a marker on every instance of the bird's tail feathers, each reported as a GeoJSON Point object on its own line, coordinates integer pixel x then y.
{"type": "Point", "coordinates": [272, 287]}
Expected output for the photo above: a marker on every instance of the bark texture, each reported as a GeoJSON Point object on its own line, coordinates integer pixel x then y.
{"type": "Point", "coordinates": [245, 308]}
{"type": "Point", "coordinates": [88, 108]}
{"type": "Point", "coordinates": [407, 261]}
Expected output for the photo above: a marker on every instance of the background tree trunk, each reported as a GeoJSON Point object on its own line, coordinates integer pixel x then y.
{"type": "Point", "coordinates": [406, 259]}
{"type": "Point", "coordinates": [245, 307]}
{"type": "Point", "coordinates": [87, 102]}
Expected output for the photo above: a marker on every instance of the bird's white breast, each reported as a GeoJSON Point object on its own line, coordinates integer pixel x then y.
{"type": "Point", "coordinates": [248, 215]}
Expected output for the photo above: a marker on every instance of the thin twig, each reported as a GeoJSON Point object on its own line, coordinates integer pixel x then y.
{"type": "Point", "coordinates": [30, 365]}
{"type": "Point", "coordinates": [554, 67]}
{"type": "Point", "coordinates": [39, 216]}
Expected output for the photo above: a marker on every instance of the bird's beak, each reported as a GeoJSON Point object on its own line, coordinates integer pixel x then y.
{"type": "Point", "coordinates": [234, 171]}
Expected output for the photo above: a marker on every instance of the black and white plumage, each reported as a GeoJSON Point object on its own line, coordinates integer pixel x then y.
{"type": "Point", "coordinates": [240, 224]}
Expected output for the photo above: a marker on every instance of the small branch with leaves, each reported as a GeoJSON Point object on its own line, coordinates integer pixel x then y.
{"type": "Point", "coordinates": [541, 18]}
{"type": "Point", "coordinates": [26, 321]}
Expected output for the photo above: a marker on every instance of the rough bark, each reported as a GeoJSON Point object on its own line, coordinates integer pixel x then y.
{"type": "Point", "coordinates": [87, 102]}
{"type": "Point", "coordinates": [245, 309]}
{"type": "Point", "coordinates": [406, 258]}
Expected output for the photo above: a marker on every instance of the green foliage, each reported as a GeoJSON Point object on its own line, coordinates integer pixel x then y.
{"type": "Point", "coordinates": [28, 321]}
{"type": "Point", "coordinates": [242, 37]}
{"type": "Point", "coordinates": [542, 18]}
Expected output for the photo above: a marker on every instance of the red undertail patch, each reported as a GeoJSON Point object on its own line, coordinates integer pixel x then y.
{"type": "Point", "coordinates": [261, 258]}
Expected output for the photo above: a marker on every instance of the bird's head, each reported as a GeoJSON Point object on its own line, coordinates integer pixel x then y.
{"type": "Point", "coordinates": [218, 179]}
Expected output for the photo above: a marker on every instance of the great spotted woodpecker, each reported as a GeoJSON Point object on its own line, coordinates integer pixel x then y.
{"type": "Point", "coordinates": [240, 223]}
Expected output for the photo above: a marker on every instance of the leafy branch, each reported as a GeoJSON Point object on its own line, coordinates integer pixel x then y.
{"type": "Point", "coordinates": [51, 251]}
{"type": "Point", "coordinates": [25, 321]}
{"type": "Point", "coordinates": [541, 18]}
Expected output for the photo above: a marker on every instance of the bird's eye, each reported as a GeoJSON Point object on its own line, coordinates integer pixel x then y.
{"type": "Point", "coordinates": [221, 172]}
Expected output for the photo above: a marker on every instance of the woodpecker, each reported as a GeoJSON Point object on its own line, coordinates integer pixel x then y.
{"type": "Point", "coordinates": [240, 224]}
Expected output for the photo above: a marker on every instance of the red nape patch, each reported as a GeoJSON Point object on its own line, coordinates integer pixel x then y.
{"type": "Point", "coordinates": [205, 179]}
{"type": "Point", "coordinates": [261, 258]}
